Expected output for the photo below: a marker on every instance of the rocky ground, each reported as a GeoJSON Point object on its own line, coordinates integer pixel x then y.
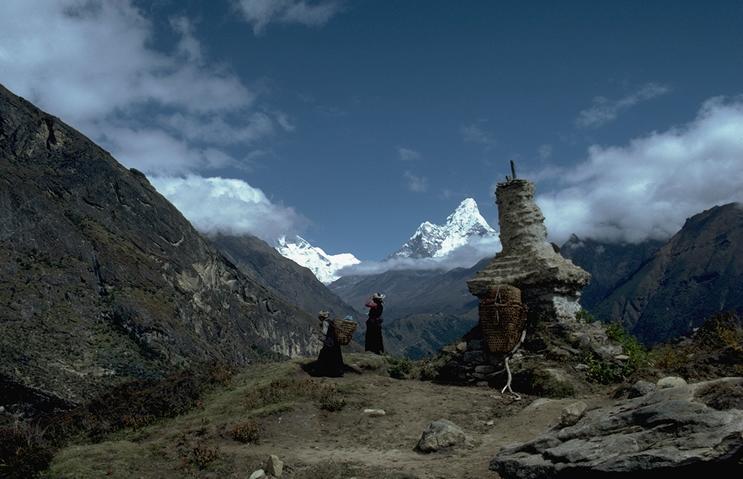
{"type": "Point", "coordinates": [334, 428]}
{"type": "Point", "coordinates": [318, 428]}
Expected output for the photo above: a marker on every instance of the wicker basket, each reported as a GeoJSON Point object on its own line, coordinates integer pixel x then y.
{"type": "Point", "coordinates": [504, 293]}
{"type": "Point", "coordinates": [344, 330]}
{"type": "Point", "coordinates": [502, 324]}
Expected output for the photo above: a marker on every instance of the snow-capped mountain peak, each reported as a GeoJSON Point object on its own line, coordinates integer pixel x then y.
{"type": "Point", "coordinates": [324, 266]}
{"type": "Point", "coordinates": [434, 241]}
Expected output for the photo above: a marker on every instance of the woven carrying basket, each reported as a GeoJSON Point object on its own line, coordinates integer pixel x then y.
{"type": "Point", "coordinates": [344, 330]}
{"type": "Point", "coordinates": [502, 324]}
{"type": "Point", "coordinates": [503, 293]}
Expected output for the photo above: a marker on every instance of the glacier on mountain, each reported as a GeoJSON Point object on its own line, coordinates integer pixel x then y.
{"type": "Point", "coordinates": [324, 266]}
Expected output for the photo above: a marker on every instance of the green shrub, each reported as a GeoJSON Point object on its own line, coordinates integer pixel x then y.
{"type": "Point", "coordinates": [605, 372]}
{"type": "Point", "coordinates": [399, 368]}
{"type": "Point", "coordinates": [585, 316]}
{"type": "Point", "coordinates": [638, 355]}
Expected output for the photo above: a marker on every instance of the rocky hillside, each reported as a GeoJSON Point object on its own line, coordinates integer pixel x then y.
{"type": "Point", "coordinates": [104, 280]}
{"type": "Point", "coordinates": [609, 264]}
{"type": "Point", "coordinates": [697, 273]}
{"type": "Point", "coordinates": [421, 335]}
{"type": "Point", "coordinates": [266, 266]}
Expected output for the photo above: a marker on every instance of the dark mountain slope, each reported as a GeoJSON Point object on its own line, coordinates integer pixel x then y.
{"type": "Point", "coordinates": [103, 280]}
{"type": "Point", "coordinates": [411, 292]}
{"type": "Point", "coordinates": [608, 263]}
{"type": "Point", "coordinates": [697, 273]}
{"type": "Point", "coordinates": [291, 281]}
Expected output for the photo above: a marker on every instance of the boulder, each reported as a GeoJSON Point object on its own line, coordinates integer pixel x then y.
{"type": "Point", "coordinates": [374, 412]}
{"type": "Point", "coordinates": [440, 434]}
{"type": "Point", "coordinates": [670, 382]}
{"type": "Point", "coordinates": [641, 388]}
{"type": "Point", "coordinates": [274, 466]}
{"type": "Point", "coordinates": [259, 474]}
{"type": "Point", "coordinates": [690, 428]}
{"type": "Point", "coordinates": [572, 413]}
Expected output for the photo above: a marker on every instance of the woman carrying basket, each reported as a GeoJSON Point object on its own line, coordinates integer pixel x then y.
{"type": "Point", "coordinates": [330, 361]}
{"type": "Point", "coordinates": [373, 340]}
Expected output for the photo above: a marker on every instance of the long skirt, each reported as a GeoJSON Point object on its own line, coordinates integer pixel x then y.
{"type": "Point", "coordinates": [373, 340]}
{"type": "Point", "coordinates": [330, 361]}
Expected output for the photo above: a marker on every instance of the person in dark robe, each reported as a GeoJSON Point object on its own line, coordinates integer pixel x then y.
{"type": "Point", "coordinates": [373, 339]}
{"type": "Point", "coordinates": [330, 361]}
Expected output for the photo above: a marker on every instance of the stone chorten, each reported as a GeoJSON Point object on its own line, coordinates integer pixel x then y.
{"type": "Point", "coordinates": [550, 284]}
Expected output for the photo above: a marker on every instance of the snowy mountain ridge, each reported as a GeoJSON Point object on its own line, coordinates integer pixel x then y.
{"type": "Point", "coordinates": [436, 241]}
{"type": "Point", "coordinates": [324, 266]}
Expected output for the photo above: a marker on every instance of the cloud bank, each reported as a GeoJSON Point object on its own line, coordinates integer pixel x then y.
{"type": "Point", "coordinates": [604, 110]}
{"type": "Point", "coordinates": [221, 205]}
{"type": "Point", "coordinates": [261, 13]}
{"type": "Point", "coordinates": [465, 256]}
{"type": "Point", "coordinates": [647, 188]}
{"type": "Point", "coordinates": [171, 114]}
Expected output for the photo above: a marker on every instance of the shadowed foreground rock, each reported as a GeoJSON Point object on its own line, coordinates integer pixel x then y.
{"type": "Point", "coordinates": [689, 428]}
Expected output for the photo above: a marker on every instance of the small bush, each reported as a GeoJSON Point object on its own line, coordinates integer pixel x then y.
{"type": "Point", "coordinates": [399, 368]}
{"type": "Point", "coordinates": [201, 456]}
{"type": "Point", "coordinates": [24, 451]}
{"type": "Point", "coordinates": [247, 432]}
{"type": "Point", "coordinates": [638, 355]}
{"type": "Point", "coordinates": [585, 316]}
{"type": "Point", "coordinates": [605, 372]}
{"type": "Point", "coordinates": [331, 401]}
{"type": "Point", "coordinates": [281, 390]}
{"type": "Point", "coordinates": [669, 358]}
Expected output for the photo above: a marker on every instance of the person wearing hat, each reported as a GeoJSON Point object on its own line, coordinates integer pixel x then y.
{"type": "Point", "coordinates": [330, 361]}
{"type": "Point", "coordinates": [373, 339]}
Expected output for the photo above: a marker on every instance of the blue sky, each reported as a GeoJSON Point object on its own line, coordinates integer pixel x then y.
{"type": "Point", "coordinates": [359, 119]}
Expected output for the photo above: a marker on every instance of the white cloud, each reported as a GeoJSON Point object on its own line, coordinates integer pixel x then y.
{"type": "Point", "coordinates": [91, 63]}
{"type": "Point", "coordinates": [188, 46]}
{"type": "Point", "coordinates": [463, 257]}
{"type": "Point", "coordinates": [475, 134]}
{"type": "Point", "coordinates": [417, 184]}
{"type": "Point", "coordinates": [86, 60]}
{"type": "Point", "coordinates": [166, 113]}
{"type": "Point", "coordinates": [647, 188]}
{"type": "Point", "coordinates": [408, 154]}
{"type": "Point", "coordinates": [215, 129]}
{"type": "Point", "coordinates": [604, 110]}
{"type": "Point", "coordinates": [260, 13]}
{"type": "Point", "coordinates": [228, 206]}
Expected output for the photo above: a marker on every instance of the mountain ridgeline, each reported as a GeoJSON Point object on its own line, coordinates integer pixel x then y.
{"type": "Point", "coordinates": [104, 281]}
{"type": "Point", "coordinates": [287, 279]}
{"type": "Point", "coordinates": [434, 241]}
{"type": "Point", "coordinates": [657, 290]}
{"type": "Point", "coordinates": [695, 274]}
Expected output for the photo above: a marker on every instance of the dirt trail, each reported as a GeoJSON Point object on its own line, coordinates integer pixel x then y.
{"type": "Point", "coordinates": [311, 437]}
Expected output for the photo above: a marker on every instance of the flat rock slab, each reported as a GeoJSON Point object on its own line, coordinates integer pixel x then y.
{"type": "Point", "coordinates": [687, 428]}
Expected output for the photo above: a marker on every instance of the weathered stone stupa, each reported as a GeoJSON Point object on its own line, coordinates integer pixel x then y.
{"type": "Point", "coordinates": [550, 284]}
